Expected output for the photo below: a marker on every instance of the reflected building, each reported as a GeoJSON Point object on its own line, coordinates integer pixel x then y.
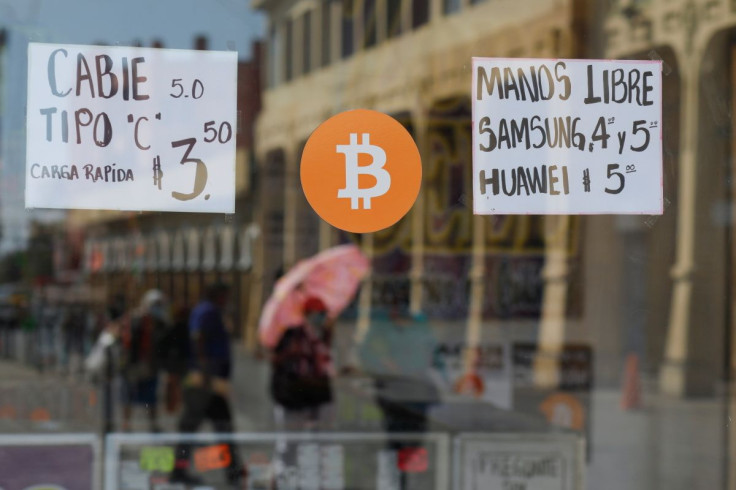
{"type": "Point", "coordinates": [655, 288]}
{"type": "Point", "coordinates": [532, 313]}
{"type": "Point", "coordinates": [481, 279]}
{"type": "Point", "coordinates": [688, 289]}
{"type": "Point", "coordinates": [127, 253]}
{"type": "Point", "coordinates": [411, 60]}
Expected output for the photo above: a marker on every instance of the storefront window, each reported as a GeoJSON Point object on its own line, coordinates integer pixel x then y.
{"type": "Point", "coordinates": [552, 309]}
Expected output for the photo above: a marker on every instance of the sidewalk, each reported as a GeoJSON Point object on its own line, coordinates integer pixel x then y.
{"type": "Point", "coordinates": [669, 443]}
{"type": "Point", "coordinates": [31, 400]}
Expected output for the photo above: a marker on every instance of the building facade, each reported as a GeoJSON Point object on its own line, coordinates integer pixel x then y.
{"type": "Point", "coordinates": [654, 289]}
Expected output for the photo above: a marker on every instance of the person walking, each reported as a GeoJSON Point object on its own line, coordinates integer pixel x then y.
{"type": "Point", "coordinates": [397, 352]}
{"type": "Point", "coordinates": [301, 371]}
{"type": "Point", "coordinates": [141, 367]}
{"type": "Point", "coordinates": [175, 357]}
{"type": "Point", "coordinates": [207, 385]}
{"type": "Point", "coordinates": [301, 384]}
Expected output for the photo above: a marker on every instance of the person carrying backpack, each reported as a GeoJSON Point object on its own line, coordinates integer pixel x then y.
{"type": "Point", "coordinates": [301, 371]}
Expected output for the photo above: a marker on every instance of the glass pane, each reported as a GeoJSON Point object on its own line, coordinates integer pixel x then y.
{"type": "Point", "coordinates": [194, 292]}
{"type": "Point", "coordinates": [326, 33]}
{"type": "Point", "coordinates": [393, 17]}
{"type": "Point", "coordinates": [289, 50]}
{"type": "Point", "coordinates": [307, 42]}
{"type": "Point", "coordinates": [451, 6]}
{"type": "Point", "coordinates": [370, 22]}
{"type": "Point", "coordinates": [420, 13]}
{"type": "Point", "coordinates": [348, 15]}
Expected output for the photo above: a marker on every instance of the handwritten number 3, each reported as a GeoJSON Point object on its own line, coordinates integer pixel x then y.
{"type": "Point", "coordinates": [200, 177]}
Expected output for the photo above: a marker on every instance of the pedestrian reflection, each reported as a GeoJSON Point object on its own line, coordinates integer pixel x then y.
{"type": "Point", "coordinates": [206, 392]}
{"type": "Point", "coordinates": [142, 342]}
{"type": "Point", "coordinates": [301, 371]}
{"type": "Point", "coordinates": [397, 352]}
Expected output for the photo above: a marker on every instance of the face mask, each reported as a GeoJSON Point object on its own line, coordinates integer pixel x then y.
{"type": "Point", "coordinates": [317, 318]}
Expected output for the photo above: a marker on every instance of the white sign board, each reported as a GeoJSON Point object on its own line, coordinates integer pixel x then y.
{"type": "Point", "coordinates": [131, 128]}
{"type": "Point", "coordinates": [567, 136]}
{"type": "Point", "coordinates": [519, 462]}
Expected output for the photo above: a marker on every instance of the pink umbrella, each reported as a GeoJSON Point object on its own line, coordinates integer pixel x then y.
{"type": "Point", "coordinates": [332, 276]}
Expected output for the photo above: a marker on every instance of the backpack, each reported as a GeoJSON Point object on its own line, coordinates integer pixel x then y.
{"type": "Point", "coordinates": [297, 380]}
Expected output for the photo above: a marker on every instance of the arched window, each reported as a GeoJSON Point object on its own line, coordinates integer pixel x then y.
{"type": "Point", "coordinates": [164, 251]}
{"type": "Point", "coordinates": [248, 236]}
{"type": "Point", "coordinates": [193, 258]}
{"type": "Point", "coordinates": [209, 249]}
{"type": "Point", "coordinates": [227, 248]}
{"type": "Point", "coordinates": [178, 252]}
{"type": "Point", "coordinates": [151, 253]}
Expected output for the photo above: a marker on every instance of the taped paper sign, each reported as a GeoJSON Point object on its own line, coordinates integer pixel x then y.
{"type": "Point", "coordinates": [519, 462]}
{"type": "Point", "coordinates": [567, 136]}
{"type": "Point", "coordinates": [131, 128]}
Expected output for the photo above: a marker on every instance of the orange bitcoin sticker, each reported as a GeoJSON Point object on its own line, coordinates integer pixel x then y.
{"type": "Point", "coordinates": [361, 171]}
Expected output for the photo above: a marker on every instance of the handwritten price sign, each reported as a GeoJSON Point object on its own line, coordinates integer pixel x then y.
{"type": "Point", "coordinates": [131, 129]}
{"type": "Point", "coordinates": [567, 136]}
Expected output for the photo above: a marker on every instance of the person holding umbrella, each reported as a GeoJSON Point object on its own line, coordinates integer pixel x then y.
{"type": "Point", "coordinates": [301, 370]}
{"type": "Point", "coordinates": [296, 326]}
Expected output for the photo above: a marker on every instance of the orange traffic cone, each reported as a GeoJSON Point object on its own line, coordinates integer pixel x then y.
{"type": "Point", "coordinates": [631, 388]}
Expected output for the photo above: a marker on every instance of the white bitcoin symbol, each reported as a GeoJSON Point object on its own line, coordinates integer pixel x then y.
{"type": "Point", "coordinates": [353, 170]}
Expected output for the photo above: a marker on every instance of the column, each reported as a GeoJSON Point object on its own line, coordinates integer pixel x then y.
{"type": "Point", "coordinates": [366, 293]}
{"type": "Point", "coordinates": [291, 188]}
{"type": "Point", "coordinates": [420, 121]}
{"type": "Point", "coordinates": [673, 374]}
{"type": "Point", "coordinates": [551, 337]}
{"type": "Point", "coordinates": [475, 307]}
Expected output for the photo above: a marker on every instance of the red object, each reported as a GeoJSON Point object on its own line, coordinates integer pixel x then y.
{"type": "Point", "coordinates": [469, 384]}
{"type": "Point", "coordinates": [314, 304]}
{"type": "Point", "coordinates": [413, 460]}
{"type": "Point", "coordinates": [631, 389]}
{"type": "Point", "coordinates": [212, 458]}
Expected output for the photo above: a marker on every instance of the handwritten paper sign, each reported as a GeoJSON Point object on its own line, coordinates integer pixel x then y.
{"type": "Point", "coordinates": [130, 128]}
{"type": "Point", "coordinates": [519, 462]}
{"type": "Point", "coordinates": [567, 136]}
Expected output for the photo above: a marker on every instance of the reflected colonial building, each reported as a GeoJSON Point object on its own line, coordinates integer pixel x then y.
{"type": "Point", "coordinates": [124, 254]}
{"type": "Point", "coordinates": [693, 327]}
{"type": "Point", "coordinates": [565, 300]}
{"type": "Point", "coordinates": [694, 40]}
{"type": "Point", "coordinates": [481, 279]}
{"type": "Point", "coordinates": [657, 288]}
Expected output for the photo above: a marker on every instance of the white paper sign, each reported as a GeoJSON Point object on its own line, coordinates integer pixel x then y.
{"type": "Point", "coordinates": [519, 462]}
{"type": "Point", "coordinates": [567, 136]}
{"type": "Point", "coordinates": [131, 128]}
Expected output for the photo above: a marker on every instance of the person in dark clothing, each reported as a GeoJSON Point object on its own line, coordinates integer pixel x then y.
{"type": "Point", "coordinates": [301, 371]}
{"type": "Point", "coordinates": [206, 387]}
{"type": "Point", "coordinates": [175, 352]}
{"type": "Point", "coordinates": [142, 344]}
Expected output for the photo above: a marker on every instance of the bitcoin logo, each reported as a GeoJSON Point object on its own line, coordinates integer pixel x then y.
{"type": "Point", "coordinates": [352, 171]}
{"type": "Point", "coordinates": [361, 171]}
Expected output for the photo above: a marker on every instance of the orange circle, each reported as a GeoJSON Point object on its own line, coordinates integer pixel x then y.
{"type": "Point", "coordinates": [343, 178]}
